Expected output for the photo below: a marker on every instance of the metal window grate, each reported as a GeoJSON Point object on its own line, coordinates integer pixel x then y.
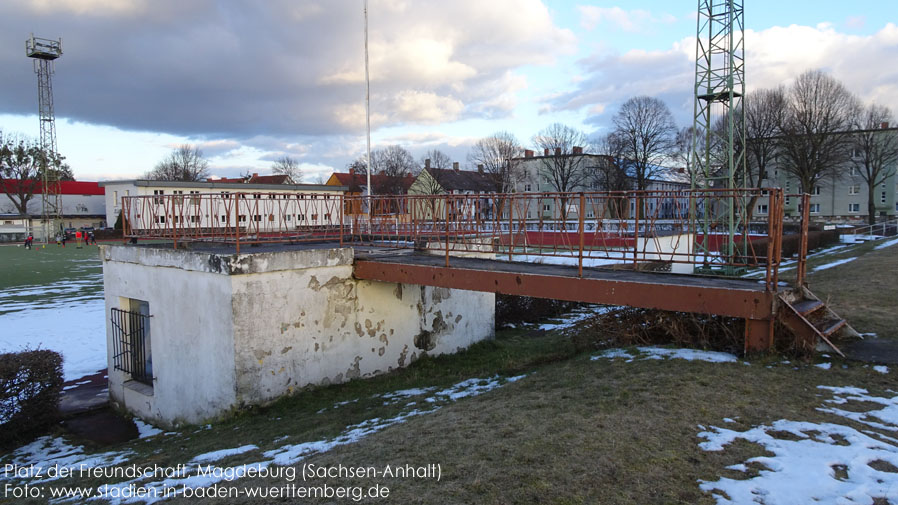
{"type": "Point", "coordinates": [129, 337]}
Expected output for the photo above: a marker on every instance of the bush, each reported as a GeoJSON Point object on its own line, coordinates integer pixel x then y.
{"type": "Point", "coordinates": [524, 309]}
{"type": "Point", "coordinates": [30, 383]}
{"type": "Point", "coordinates": [757, 253]}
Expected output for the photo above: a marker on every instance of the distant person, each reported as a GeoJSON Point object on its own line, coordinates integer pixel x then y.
{"type": "Point", "coordinates": [28, 241]}
{"type": "Point", "coordinates": [63, 240]}
{"type": "Point", "coordinates": [58, 240]}
{"type": "Point", "coordinates": [93, 238]}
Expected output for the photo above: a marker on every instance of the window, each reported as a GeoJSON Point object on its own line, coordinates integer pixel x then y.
{"type": "Point", "coordinates": [815, 208]}
{"type": "Point", "coordinates": [815, 191]}
{"type": "Point", "coordinates": [257, 195]}
{"type": "Point", "coordinates": [526, 188]}
{"type": "Point", "coordinates": [241, 218]}
{"type": "Point", "coordinates": [851, 172]}
{"type": "Point", "coordinates": [160, 219]}
{"type": "Point", "coordinates": [882, 197]}
{"type": "Point", "coordinates": [762, 209]}
{"type": "Point", "coordinates": [157, 193]}
{"type": "Point", "coordinates": [547, 207]}
{"type": "Point", "coordinates": [194, 197]}
{"type": "Point", "coordinates": [257, 218]}
{"type": "Point", "coordinates": [194, 219]}
{"type": "Point", "coordinates": [115, 198]}
{"type": "Point", "coordinates": [854, 208]}
{"type": "Point", "coordinates": [132, 352]}
{"type": "Point", "coordinates": [854, 189]}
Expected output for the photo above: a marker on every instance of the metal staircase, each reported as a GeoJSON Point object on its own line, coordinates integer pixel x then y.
{"type": "Point", "coordinates": [811, 320]}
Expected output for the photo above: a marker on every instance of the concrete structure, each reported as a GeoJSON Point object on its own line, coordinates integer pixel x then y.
{"type": "Point", "coordinates": [227, 331]}
{"type": "Point", "coordinates": [13, 228]}
{"type": "Point", "coordinates": [83, 204]}
{"type": "Point", "coordinates": [116, 190]}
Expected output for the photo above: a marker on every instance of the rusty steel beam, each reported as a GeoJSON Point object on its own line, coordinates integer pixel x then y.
{"type": "Point", "coordinates": [754, 304]}
{"type": "Point", "coordinates": [758, 335]}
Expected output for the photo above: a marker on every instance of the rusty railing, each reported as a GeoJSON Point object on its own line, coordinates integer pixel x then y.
{"type": "Point", "coordinates": [667, 230]}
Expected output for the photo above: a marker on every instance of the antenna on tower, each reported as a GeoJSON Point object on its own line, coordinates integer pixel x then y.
{"type": "Point", "coordinates": [718, 113]}
{"type": "Point", "coordinates": [44, 52]}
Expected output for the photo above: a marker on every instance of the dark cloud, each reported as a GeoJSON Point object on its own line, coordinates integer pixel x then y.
{"type": "Point", "coordinates": [235, 69]}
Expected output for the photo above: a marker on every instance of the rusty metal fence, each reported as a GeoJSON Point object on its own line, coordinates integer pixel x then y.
{"type": "Point", "coordinates": [632, 228]}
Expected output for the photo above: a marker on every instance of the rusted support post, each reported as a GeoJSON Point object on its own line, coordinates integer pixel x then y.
{"type": "Point", "coordinates": [758, 335]}
{"type": "Point", "coordinates": [126, 212]}
{"type": "Point", "coordinates": [447, 230]}
{"type": "Point", "coordinates": [236, 207]}
{"type": "Point", "coordinates": [510, 227]}
{"type": "Point", "coordinates": [174, 224]}
{"type": "Point", "coordinates": [580, 231]}
{"type": "Point", "coordinates": [771, 234]}
{"type": "Point", "coordinates": [636, 232]}
{"type": "Point", "coordinates": [803, 240]}
{"type": "Point", "coordinates": [342, 204]}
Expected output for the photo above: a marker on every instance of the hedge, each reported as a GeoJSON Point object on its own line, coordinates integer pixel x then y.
{"type": "Point", "coordinates": [791, 244]}
{"type": "Point", "coordinates": [30, 383]}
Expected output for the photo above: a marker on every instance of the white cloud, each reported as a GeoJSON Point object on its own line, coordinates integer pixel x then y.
{"type": "Point", "coordinates": [773, 57]}
{"type": "Point", "coordinates": [637, 20]}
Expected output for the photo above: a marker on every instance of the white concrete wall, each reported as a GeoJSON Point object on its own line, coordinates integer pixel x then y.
{"type": "Point", "coordinates": [668, 248]}
{"type": "Point", "coordinates": [275, 322]}
{"type": "Point", "coordinates": [191, 336]}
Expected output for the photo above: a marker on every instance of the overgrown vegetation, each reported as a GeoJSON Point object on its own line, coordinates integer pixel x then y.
{"type": "Point", "coordinates": [30, 383]}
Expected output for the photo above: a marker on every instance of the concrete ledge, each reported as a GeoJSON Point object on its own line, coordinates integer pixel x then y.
{"type": "Point", "coordinates": [283, 258]}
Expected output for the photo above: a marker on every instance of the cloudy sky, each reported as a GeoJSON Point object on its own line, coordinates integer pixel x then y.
{"type": "Point", "coordinates": [249, 81]}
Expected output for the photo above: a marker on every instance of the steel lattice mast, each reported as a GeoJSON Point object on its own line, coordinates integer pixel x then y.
{"type": "Point", "coordinates": [44, 52]}
{"type": "Point", "coordinates": [717, 155]}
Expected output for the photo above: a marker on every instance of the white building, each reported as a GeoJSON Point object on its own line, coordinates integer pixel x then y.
{"type": "Point", "coordinates": [268, 193]}
{"type": "Point", "coordinates": [83, 204]}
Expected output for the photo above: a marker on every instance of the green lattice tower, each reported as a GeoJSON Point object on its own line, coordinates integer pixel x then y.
{"type": "Point", "coordinates": [717, 158]}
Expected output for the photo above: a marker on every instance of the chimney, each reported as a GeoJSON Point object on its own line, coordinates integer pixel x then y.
{"type": "Point", "coordinates": [455, 166]}
{"type": "Point", "coordinates": [480, 168]}
{"type": "Point", "coordinates": [578, 150]}
{"type": "Point", "coordinates": [427, 163]}
{"type": "Point", "coordinates": [546, 151]}
{"type": "Point", "coordinates": [885, 125]}
{"type": "Point", "coordinates": [528, 153]}
{"type": "Point", "coordinates": [255, 174]}
{"type": "Point", "coordinates": [351, 173]}
{"type": "Point", "coordinates": [557, 151]}
{"type": "Point", "coordinates": [681, 170]}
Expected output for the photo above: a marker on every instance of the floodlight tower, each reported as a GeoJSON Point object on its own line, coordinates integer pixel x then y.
{"type": "Point", "coordinates": [718, 136]}
{"type": "Point", "coordinates": [44, 52]}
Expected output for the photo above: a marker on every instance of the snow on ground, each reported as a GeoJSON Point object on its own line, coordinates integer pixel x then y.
{"type": "Point", "coordinates": [572, 318]}
{"type": "Point", "coordinates": [857, 239]}
{"type": "Point", "coordinates": [813, 462]}
{"type": "Point", "coordinates": [662, 353]}
{"type": "Point", "coordinates": [833, 264]}
{"type": "Point", "coordinates": [66, 316]}
{"type": "Point", "coordinates": [145, 430]}
{"type": "Point", "coordinates": [615, 257]}
{"type": "Point", "coordinates": [881, 369]}
{"type": "Point", "coordinates": [889, 243]}
{"type": "Point", "coordinates": [47, 451]}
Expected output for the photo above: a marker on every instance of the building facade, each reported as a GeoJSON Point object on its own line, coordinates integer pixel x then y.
{"type": "Point", "coordinates": [83, 205]}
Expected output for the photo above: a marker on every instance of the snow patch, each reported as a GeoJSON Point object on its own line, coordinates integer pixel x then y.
{"type": "Point", "coordinates": [889, 243]}
{"type": "Point", "coordinates": [833, 264]}
{"type": "Point", "coordinates": [881, 369]}
{"type": "Point", "coordinates": [813, 462]}
{"type": "Point", "coordinates": [222, 453]}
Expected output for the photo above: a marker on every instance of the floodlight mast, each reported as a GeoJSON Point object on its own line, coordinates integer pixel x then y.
{"type": "Point", "coordinates": [44, 52]}
{"type": "Point", "coordinates": [718, 161]}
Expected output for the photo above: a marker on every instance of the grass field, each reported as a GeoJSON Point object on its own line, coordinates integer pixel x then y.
{"type": "Point", "coordinates": [570, 429]}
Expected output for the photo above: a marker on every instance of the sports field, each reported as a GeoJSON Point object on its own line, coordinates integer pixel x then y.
{"type": "Point", "coordinates": [51, 297]}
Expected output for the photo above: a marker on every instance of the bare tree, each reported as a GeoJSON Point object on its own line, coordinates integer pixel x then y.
{"type": "Point", "coordinates": [563, 168]}
{"type": "Point", "coordinates": [393, 164]}
{"type": "Point", "coordinates": [184, 163]}
{"type": "Point", "coordinates": [22, 162]}
{"type": "Point", "coordinates": [435, 163]}
{"type": "Point", "coordinates": [497, 154]}
{"type": "Point", "coordinates": [289, 166]}
{"type": "Point", "coordinates": [609, 172]}
{"type": "Point", "coordinates": [645, 128]}
{"type": "Point", "coordinates": [815, 140]}
{"type": "Point", "coordinates": [763, 111]}
{"type": "Point", "coordinates": [876, 151]}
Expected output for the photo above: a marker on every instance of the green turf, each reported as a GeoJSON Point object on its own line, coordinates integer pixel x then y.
{"type": "Point", "coordinates": [47, 274]}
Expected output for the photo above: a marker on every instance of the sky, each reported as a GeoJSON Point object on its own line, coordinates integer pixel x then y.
{"type": "Point", "coordinates": [248, 82]}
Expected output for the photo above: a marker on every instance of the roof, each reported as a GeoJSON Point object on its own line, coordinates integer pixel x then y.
{"type": "Point", "coordinates": [355, 181]}
{"type": "Point", "coordinates": [239, 187]}
{"type": "Point", "coordinates": [256, 179]}
{"type": "Point", "coordinates": [65, 187]}
{"type": "Point", "coordinates": [462, 180]}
